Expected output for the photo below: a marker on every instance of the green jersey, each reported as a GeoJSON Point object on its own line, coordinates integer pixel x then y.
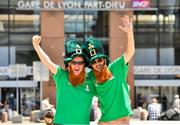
{"type": "Point", "coordinates": [114, 93]}
{"type": "Point", "coordinates": [72, 103]}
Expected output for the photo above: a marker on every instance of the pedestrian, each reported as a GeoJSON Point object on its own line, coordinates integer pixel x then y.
{"type": "Point", "coordinates": [24, 104]}
{"type": "Point", "coordinates": [176, 102]}
{"type": "Point", "coordinates": [154, 110]}
{"type": "Point", "coordinates": [110, 80]}
{"type": "Point", "coordinates": [74, 89]}
{"type": "Point", "coordinates": [164, 102]}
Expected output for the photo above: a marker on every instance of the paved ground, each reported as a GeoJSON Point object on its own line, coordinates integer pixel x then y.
{"type": "Point", "coordinates": [155, 123]}
{"type": "Point", "coordinates": [133, 122]}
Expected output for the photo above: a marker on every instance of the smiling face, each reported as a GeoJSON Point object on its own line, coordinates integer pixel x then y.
{"type": "Point", "coordinates": [100, 70]}
{"type": "Point", "coordinates": [77, 65]}
{"type": "Point", "coordinates": [76, 70]}
{"type": "Point", "coordinates": [98, 64]}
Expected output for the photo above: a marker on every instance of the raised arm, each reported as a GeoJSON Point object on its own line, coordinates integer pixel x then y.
{"type": "Point", "coordinates": [128, 28]}
{"type": "Point", "coordinates": [42, 55]}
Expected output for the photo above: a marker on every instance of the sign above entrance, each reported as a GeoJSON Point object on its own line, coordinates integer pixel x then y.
{"type": "Point", "coordinates": [17, 70]}
{"type": "Point", "coordinates": [89, 5]}
{"type": "Point", "coordinates": [157, 70]}
{"type": "Point", "coordinates": [40, 72]}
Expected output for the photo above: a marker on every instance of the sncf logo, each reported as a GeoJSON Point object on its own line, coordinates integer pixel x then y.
{"type": "Point", "coordinates": [140, 3]}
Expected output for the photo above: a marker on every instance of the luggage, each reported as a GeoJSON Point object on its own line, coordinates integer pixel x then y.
{"type": "Point", "coordinates": [170, 114]}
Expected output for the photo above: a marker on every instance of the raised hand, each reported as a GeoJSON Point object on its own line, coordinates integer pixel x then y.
{"type": "Point", "coordinates": [127, 24]}
{"type": "Point", "coordinates": [36, 39]}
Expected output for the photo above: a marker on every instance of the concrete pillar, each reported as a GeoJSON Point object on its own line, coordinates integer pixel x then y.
{"type": "Point", "coordinates": [118, 40]}
{"type": "Point", "coordinates": [52, 32]}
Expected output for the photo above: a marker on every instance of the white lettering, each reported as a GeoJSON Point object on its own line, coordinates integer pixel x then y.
{"type": "Point", "coordinates": [94, 5]}
{"type": "Point", "coordinates": [100, 4]}
{"type": "Point", "coordinates": [88, 4]}
{"type": "Point", "coordinates": [48, 4]}
{"type": "Point", "coordinates": [122, 5]}
{"type": "Point", "coordinates": [108, 5]}
{"type": "Point", "coordinates": [69, 4]}
{"type": "Point", "coordinates": [28, 4]}
{"type": "Point", "coordinates": [157, 70]}
{"type": "Point", "coordinates": [21, 4]}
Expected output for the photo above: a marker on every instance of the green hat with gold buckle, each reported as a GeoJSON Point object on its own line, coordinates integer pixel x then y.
{"type": "Point", "coordinates": [73, 48]}
{"type": "Point", "coordinates": [94, 50]}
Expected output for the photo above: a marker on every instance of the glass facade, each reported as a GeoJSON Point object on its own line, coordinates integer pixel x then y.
{"type": "Point", "coordinates": [83, 24]}
{"type": "Point", "coordinates": [157, 43]}
{"type": "Point", "coordinates": [16, 30]}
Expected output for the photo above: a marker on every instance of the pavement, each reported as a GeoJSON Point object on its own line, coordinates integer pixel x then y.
{"type": "Point", "coordinates": [134, 121]}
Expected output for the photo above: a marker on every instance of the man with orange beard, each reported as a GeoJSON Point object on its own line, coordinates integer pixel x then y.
{"type": "Point", "coordinates": [74, 89]}
{"type": "Point", "coordinates": [110, 80]}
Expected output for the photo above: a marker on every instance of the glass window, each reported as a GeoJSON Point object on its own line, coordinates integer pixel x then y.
{"type": "Point", "coordinates": [16, 30]}
{"type": "Point", "coordinates": [159, 29]}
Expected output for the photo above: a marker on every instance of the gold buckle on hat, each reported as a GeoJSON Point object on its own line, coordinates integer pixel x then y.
{"type": "Point", "coordinates": [92, 52]}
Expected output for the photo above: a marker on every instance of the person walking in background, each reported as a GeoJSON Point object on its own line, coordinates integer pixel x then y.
{"type": "Point", "coordinates": [12, 104]}
{"type": "Point", "coordinates": [74, 89]}
{"type": "Point", "coordinates": [176, 102]}
{"type": "Point", "coordinates": [110, 80]}
{"type": "Point", "coordinates": [140, 100]}
{"type": "Point", "coordinates": [154, 110]}
{"type": "Point", "coordinates": [24, 104]}
{"type": "Point", "coordinates": [164, 103]}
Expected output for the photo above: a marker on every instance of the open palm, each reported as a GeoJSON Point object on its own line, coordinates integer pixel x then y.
{"type": "Point", "coordinates": [127, 24]}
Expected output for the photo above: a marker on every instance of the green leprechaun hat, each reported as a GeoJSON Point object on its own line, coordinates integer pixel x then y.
{"type": "Point", "coordinates": [93, 48]}
{"type": "Point", "coordinates": [74, 48]}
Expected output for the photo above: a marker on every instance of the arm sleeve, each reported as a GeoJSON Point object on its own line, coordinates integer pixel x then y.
{"type": "Point", "coordinates": [59, 74]}
{"type": "Point", "coordinates": [119, 66]}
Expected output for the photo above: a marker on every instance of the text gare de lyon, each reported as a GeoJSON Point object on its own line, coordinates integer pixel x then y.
{"type": "Point", "coordinates": [70, 4]}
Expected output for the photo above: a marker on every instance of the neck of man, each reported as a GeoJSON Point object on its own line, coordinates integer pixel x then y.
{"type": "Point", "coordinates": [102, 76]}
{"type": "Point", "coordinates": [76, 79]}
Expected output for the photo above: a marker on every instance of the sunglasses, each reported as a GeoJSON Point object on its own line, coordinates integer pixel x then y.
{"type": "Point", "coordinates": [97, 61]}
{"type": "Point", "coordinates": [77, 62]}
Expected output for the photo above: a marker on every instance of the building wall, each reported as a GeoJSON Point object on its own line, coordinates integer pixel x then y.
{"type": "Point", "coordinates": [52, 32]}
{"type": "Point", "coordinates": [117, 43]}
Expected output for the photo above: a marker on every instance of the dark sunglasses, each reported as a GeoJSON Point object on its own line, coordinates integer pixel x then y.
{"type": "Point", "coordinates": [97, 61]}
{"type": "Point", "coordinates": [78, 62]}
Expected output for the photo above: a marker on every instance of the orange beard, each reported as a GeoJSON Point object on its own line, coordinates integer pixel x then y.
{"type": "Point", "coordinates": [102, 76]}
{"type": "Point", "coordinates": [76, 79]}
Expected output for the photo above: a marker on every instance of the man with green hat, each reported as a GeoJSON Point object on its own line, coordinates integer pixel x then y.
{"type": "Point", "coordinates": [110, 79]}
{"type": "Point", "coordinates": [74, 89]}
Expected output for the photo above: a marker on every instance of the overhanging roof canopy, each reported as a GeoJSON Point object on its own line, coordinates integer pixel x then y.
{"type": "Point", "coordinates": [20, 83]}
{"type": "Point", "coordinates": [157, 82]}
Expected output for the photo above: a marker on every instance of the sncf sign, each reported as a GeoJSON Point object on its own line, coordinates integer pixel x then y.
{"type": "Point", "coordinates": [140, 3]}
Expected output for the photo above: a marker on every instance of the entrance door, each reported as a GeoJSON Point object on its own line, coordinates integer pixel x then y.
{"type": "Point", "coordinates": [9, 94]}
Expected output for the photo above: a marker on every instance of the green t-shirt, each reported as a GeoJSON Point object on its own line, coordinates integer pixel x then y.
{"type": "Point", "coordinates": [72, 103]}
{"type": "Point", "coordinates": [114, 93]}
